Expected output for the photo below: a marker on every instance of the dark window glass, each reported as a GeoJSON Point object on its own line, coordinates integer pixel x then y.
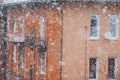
{"type": "Point", "coordinates": [21, 55]}
{"type": "Point", "coordinates": [92, 68]}
{"type": "Point", "coordinates": [111, 68]}
{"type": "Point", "coordinates": [94, 23]}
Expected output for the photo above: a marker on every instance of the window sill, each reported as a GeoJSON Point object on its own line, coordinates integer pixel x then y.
{"type": "Point", "coordinates": [113, 38]}
{"type": "Point", "coordinates": [93, 79]}
{"type": "Point", "coordinates": [42, 73]}
{"type": "Point", "coordinates": [111, 79]}
{"type": "Point", "coordinates": [93, 38]}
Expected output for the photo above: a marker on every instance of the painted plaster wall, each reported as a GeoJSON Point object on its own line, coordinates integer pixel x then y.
{"type": "Point", "coordinates": [76, 53]}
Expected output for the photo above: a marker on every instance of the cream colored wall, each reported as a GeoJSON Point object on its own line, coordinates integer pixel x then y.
{"type": "Point", "coordinates": [75, 56]}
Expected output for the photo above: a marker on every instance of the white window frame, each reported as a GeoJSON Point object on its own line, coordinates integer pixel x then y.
{"type": "Point", "coordinates": [98, 27]}
{"type": "Point", "coordinates": [15, 25]}
{"type": "Point", "coordinates": [42, 72]}
{"type": "Point", "coordinates": [112, 16]}
{"type": "Point", "coordinates": [42, 26]}
{"type": "Point", "coordinates": [97, 68]}
{"type": "Point", "coordinates": [22, 25]}
{"type": "Point", "coordinates": [115, 72]}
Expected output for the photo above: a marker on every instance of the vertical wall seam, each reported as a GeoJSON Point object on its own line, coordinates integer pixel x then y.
{"type": "Point", "coordinates": [61, 41]}
{"type": "Point", "coordinates": [86, 53]}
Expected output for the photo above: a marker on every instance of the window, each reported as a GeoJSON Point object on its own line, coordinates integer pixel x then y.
{"type": "Point", "coordinates": [22, 25]}
{"type": "Point", "coordinates": [42, 26]}
{"type": "Point", "coordinates": [21, 55]}
{"type": "Point", "coordinates": [14, 53]}
{"type": "Point", "coordinates": [42, 63]}
{"type": "Point", "coordinates": [15, 27]}
{"type": "Point", "coordinates": [113, 23]}
{"type": "Point", "coordinates": [93, 68]}
{"type": "Point", "coordinates": [111, 68]}
{"type": "Point", "coordinates": [94, 31]}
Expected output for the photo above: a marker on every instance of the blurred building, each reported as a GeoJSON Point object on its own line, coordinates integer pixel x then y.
{"type": "Point", "coordinates": [33, 41]}
{"type": "Point", "coordinates": [60, 40]}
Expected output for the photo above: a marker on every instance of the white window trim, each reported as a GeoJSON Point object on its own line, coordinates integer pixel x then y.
{"type": "Point", "coordinates": [41, 71]}
{"type": "Point", "coordinates": [115, 72]}
{"type": "Point", "coordinates": [114, 38]}
{"type": "Point", "coordinates": [15, 26]}
{"type": "Point", "coordinates": [98, 28]}
{"type": "Point", "coordinates": [23, 63]}
{"type": "Point", "coordinates": [22, 25]}
{"type": "Point", "coordinates": [97, 69]}
{"type": "Point", "coordinates": [42, 26]}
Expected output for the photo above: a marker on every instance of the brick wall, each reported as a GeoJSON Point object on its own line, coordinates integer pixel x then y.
{"type": "Point", "coordinates": [52, 38]}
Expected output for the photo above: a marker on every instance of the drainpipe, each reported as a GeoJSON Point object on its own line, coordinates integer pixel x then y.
{"type": "Point", "coordinates": [61, 40]}
{"type": "Point", "coordinates": [86, 53]}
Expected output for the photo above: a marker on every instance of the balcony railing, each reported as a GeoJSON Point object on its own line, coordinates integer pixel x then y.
{"type": "Point", "coordinates": [29, 41]}
{"type": "Point", "coordinates": [15, 38]}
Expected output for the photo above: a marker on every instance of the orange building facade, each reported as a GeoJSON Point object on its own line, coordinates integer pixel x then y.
{"type": "Point", "coordinates": [63, 41]}
{"type": "Point", "coordinates": [33, 42]}
{"type": "Point", "coordinates": [86, 57]}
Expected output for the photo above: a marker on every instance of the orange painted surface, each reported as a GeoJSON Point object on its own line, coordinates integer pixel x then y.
{"type": "Point", "coordinates": [76, 52]}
